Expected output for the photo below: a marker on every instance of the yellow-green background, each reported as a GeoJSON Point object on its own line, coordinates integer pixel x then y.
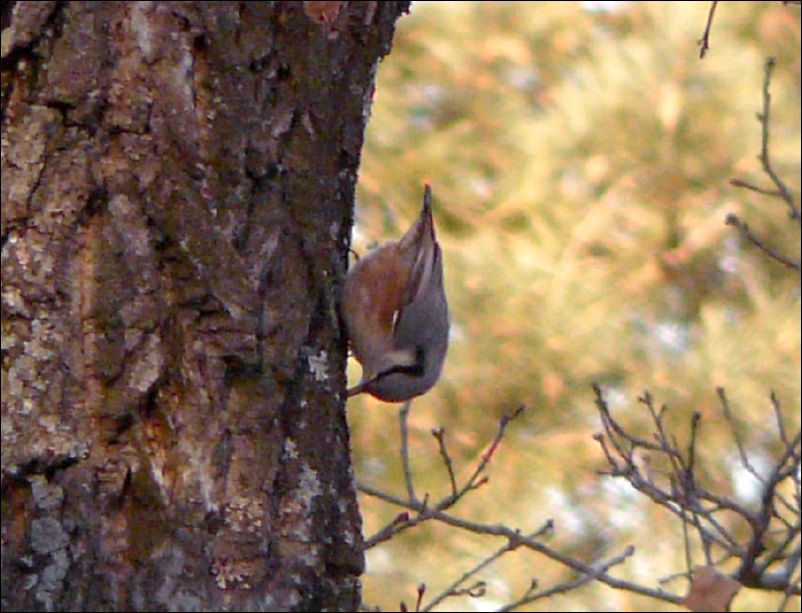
{"type": "Point", "coordinates": [580, 155]}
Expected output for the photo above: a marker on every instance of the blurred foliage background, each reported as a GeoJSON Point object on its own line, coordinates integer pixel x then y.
{"type": "Point", "coordinates": [580, 155]}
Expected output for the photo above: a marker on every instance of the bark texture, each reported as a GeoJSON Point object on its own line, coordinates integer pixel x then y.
{"type": "Point", "coordinates": [177, 200]}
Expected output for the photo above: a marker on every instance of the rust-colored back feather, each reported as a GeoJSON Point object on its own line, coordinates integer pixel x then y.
{"type": "Point", "coordinates": [373, 291]}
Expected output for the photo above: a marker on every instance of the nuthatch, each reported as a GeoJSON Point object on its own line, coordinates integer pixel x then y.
{"type": "Point", "coordinates": [396, 313]}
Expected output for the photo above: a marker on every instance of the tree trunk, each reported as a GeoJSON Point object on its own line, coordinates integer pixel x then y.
{"type": "Point", "coordinates": [177, 201]}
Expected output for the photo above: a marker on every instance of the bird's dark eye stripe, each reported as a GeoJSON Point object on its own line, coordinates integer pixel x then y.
{"type": "Point", "coordinates": [413, 370]}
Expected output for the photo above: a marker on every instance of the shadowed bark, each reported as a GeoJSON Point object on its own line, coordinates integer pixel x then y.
{"type": "Point", "coordinates": [177, 193]}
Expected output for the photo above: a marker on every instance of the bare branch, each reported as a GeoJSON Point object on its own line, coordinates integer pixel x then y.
{"type": "Point", "coordinates": [518, 540]}
{"type": "Point", "coordinates": [683, 497]}
{"type": "Point", "coordinates": [780, 189]}
{"type": "Point", "coordinates": [477, 479]}
{"type": "Point", "coordinates": [760, 565]}
{"type": "Point", "coordinates": [691, 501]}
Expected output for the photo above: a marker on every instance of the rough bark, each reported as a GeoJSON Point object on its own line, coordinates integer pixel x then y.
{"type": "Point", "coordinates": [177, 200]}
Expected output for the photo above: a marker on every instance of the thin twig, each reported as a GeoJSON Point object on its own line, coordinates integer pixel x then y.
{"type": "Point", "coordinates": [687, 542]}
{"type": "Point", "coordinates": [439, 434]}
{"type": "Point", "coordinates": [746, 233]}
{"type": "Point", "coordinates": [742, 452]}
{"type": "Point", "coordinates": [764, 118]}
{"type": "Point", "coordinates": [616, 428]}
{"type": "Point", "coordinates": [734, 428]}
{"type": "Point", "coordinates": [531, 594]}
{"type": "Point", "coordinates": [756, 188]}
{"type": "Point", "coordinates": [690, 488]}
{"type": "Point", "coordinates": [704, 42]}
{"type": "Point", "coordinates": [510, 545]}
{"type": "Point", "coordinates": [779, 417]}
{"type": "Point", "coordinates": [421, 592]}
{"type": "Point", "coordinates": [403, 418]}
{"type": "Point", "coordinates": [688, 575]}
{"type": "Point", "coordinates": [488, 455]}
{"type": "Point", "coordinates": [386, 533]}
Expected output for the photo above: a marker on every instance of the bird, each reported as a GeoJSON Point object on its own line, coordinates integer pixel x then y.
{"type": "Point", "coordinates": [395, 311]}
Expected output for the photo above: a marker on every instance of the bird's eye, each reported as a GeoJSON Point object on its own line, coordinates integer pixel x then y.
{"type": "Point", "coordinates": [420, 359]}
